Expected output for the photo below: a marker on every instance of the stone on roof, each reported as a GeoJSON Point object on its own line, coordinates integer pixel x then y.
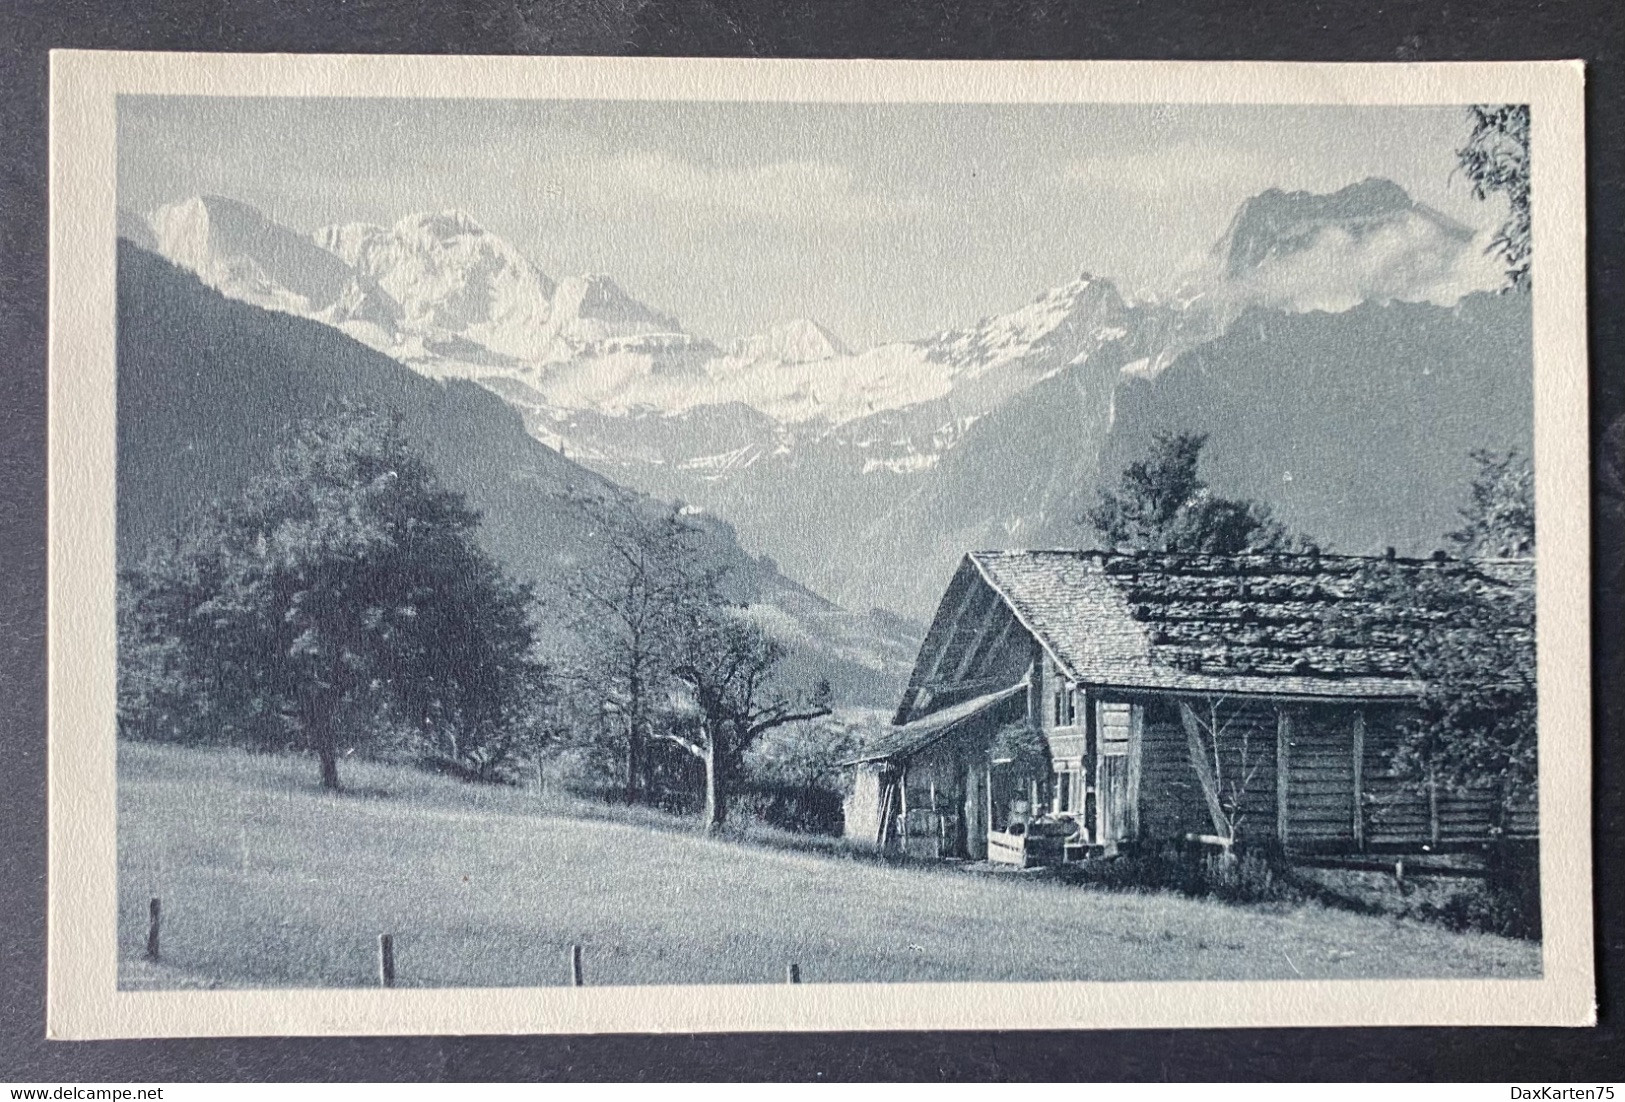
{"type": "Point", "coordinates": [1252, 623]}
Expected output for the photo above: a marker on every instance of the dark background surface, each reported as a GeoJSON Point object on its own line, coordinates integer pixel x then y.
{"type": "Point", "coordinates": [1350, 30]}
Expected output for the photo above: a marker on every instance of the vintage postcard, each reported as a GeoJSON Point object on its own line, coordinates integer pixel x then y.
{"type": "Point", "coordinates": [577, 544]}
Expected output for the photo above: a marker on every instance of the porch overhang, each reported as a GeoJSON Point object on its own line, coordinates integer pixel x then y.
{"type": "Point", "coordinates": [907, 739]}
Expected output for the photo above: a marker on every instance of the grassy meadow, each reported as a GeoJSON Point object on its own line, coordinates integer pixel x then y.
{"type": "Point", "coordinates": [266, 881]}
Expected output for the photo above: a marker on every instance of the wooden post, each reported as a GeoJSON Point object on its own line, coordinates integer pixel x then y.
{"type": "Point", "coordinates": [386, 960]}
{"type": "Point", "coordinates": [902, 807]}
{"type": "Point", "coordinates": [1433, 808]}
{"type": "Point", "coordinates": [152, 929]}
{"type": "Point", "coordinates": [576, 977]}
{"type": "Point", "coordinates": [792, 974]}
{"type": "Point", "coordinates": [1359, 780]}
{"type": "Point", "coordinates": [1035, 687]}
{"type": "Point", "coordinates": [883, 831]}
{"type": "Point", "coordinates": [1091, 765]}
{"type": "Point", "coordinates": [936, 815]}
{"type": "Point", "coordinates": [1283, 776]}
{"type": "Point", "coordinates": [987, 802]}
{"type": "Point", "coordinates": [1136, 744]}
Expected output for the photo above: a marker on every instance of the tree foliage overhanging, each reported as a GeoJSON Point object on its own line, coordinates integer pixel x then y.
{"type": "Point", "coordinates": [1468, 626]}
{"type": "Point", "coordinates": [1495, 161]}
{"type": "Point", "coordinates": [339, 604]}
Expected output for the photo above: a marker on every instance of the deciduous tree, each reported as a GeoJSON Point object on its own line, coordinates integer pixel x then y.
{"type": "Point", "coordinates": [1467, 628]}
{"type": "Point", "coordinates": [646, 582]}
{"type": "Point", "coordinates": [1500, 513]}
{"type": "Point", "coordinates": [1496, 162]}
{"type": "Point", "coordinates": [727, 665]}
{"type": "Point", "coordinates": [340, 602]}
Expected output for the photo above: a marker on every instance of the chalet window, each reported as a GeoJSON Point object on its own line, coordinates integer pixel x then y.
{"type": "Point", "coordinates": [1066, 706]}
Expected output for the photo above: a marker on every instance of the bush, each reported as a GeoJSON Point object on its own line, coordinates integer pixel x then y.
{"type": "Point", "coordinates": [1482, 908]}
{"type": "Point", "coordinates": [1246, 876]}
{"type": "Point", "coordinates": [803, 809]}
{"type": "Point", "coordinates": [1505, 902]}
{"type": "Point", "coordinates": [451, 767]}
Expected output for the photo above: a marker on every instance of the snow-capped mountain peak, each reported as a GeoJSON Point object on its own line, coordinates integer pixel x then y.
{"type": "Point", "coordinates": [1086, 310]}
{"type": "Point", "coordinates": [235, 248]}
{"type": "Point", "coordinates": [451, 276]}
{"type": "Point", "coordinates": [800, 340]}
{"type": "Point", "coordinates": [440, 226]}
{"type": "Point", "coordinates": [606, 376]}
{"type": "Point", "coordinates": [594, 308]}
{"type": "Point", "coordinates": [1276, 223]}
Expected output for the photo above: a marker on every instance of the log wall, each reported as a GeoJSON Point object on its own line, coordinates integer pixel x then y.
{"type": "Point", "coordinates": [1320, 791]}
{"type": "Point", "coordinates": [1171, 801]}
{"type": "Point", "coordinates": [1322, 811]}
{"type": "Point", "coordinates": [1398, 815]}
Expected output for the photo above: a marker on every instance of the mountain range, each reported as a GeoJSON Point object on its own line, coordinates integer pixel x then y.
{"type": "Point", "coordinates": [1344, 352]}
{"type": "Point", "coordinates": [208, 385]}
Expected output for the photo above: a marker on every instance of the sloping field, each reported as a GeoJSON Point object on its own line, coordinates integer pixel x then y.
{"type": "Point", "coordinates": [266, 881]}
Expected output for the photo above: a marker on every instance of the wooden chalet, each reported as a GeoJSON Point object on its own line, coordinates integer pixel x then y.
{"type": "Point", "coordinates": [1065, 703]}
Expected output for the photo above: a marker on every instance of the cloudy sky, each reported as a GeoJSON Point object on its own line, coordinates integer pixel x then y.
{"type": "Point", "coordinates": [881, 221]}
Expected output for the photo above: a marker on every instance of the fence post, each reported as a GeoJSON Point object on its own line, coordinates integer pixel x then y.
{"type": "Point", "coordinates": [386, 960]}
{"type": "Point", "coordinates": [576, 978]}
{"type": "Point", "coordinates": [792, 974]}
{"type": "Point", "coordinates": [152, 929]}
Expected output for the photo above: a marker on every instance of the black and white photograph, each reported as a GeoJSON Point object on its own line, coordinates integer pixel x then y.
{"type": "Point", "coordinates": [827, 533]}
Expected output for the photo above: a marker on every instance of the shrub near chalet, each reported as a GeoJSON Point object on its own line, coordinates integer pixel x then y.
{"type": "Point", "coordinates": [341, 603]}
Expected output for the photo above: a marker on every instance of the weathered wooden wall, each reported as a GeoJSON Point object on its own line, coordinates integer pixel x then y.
{"type": "Point", "coordinates": [1171, 801]}
{"type": "Point", "coordinates": [934, 800]}
{"type": "Point", "coordinates": [1320, 771]}
{"type": "Point", "coordinates": [862, 805]}
{"type": "Point", "coordinates": [1321, 808]}
{"type": "Point", "coordinates": [1398, 815]}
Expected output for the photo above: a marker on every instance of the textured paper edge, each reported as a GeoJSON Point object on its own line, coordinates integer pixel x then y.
{"type": "Point", "coordinates": [83, 1000]}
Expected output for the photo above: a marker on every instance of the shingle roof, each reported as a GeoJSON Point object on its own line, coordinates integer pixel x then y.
{"type": "Point", "coordinates": [910, 738]}
{"type": "Point", "coordinates": [1255, 623]}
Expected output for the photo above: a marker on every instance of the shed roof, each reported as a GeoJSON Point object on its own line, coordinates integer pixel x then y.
{"type": "Point", "coordinates": [1253, 623]}
{"type": "Point", "coordinates": [908, 739]}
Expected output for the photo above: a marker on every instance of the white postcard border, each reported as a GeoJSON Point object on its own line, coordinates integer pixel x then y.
{"type": "Point", "coordinates": [83, 997]}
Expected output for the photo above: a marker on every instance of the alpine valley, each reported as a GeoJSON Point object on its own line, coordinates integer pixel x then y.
{"type": "Point", "coordinates": [1344, 352]}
